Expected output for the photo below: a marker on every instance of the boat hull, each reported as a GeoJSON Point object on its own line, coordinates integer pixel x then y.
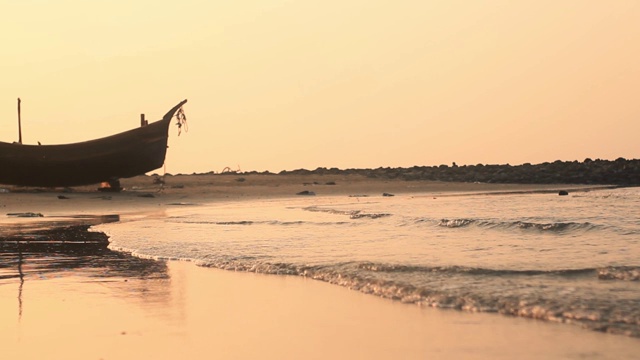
{"type": "Point", "coordinates": [123, 155]}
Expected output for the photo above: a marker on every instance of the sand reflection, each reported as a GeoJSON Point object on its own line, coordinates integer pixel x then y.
{"type": "Point", "coordinates": [63, 248]}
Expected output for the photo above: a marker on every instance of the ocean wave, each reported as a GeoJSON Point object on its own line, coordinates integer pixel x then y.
{"type": "Point", "coordinates": [252, 266]}
{"type": "Point", "coordinates": [368, 216]}
{"type": "Point", "coordinates": [353, 214]}
{"type": "Point", "coordinates": [262, 222]}
{"type": "Point", "coordinates": [553, 227]}
{"type": "Point", "coordinates": [474, 289]}
{"type": "Point", "coordinates": [625, 273]}
{"type": "Point", "coordinates": [456, 223]}
{"type": "Point", "coordinates": [241, 222]}
{"type": "Point", "coordinates": [524, 225]}
{"type": "Point", "coordinates": [454, 269]}
{"type": "Point", "coordinates": [594, 316]}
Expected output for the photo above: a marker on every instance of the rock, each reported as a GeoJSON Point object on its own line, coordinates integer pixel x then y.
{"type": "Point", "coordinates": [25, 214]}
{"type": "Point", "coordinates": [306, 192]}
{"type": "Point", "coordinates": [158, 180]}
{"type": "Point", "coordinates": [563, 192]}
{"type": "Point", "coordinates": [387, 194]}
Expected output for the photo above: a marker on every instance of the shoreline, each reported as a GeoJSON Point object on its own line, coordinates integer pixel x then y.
{"type": "Point", "coordinates": [133, 308]}
{"type": "Point", "coordinates": [211, 313]}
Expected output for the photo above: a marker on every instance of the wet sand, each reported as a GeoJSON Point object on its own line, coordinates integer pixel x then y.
{"type": "Point", "coordinates": [58, 304]}
{"type": "Point", "coordinates": [204, 313]}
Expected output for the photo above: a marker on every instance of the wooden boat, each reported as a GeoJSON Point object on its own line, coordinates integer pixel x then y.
{"type": "Point", "coordinates": [123, 155]}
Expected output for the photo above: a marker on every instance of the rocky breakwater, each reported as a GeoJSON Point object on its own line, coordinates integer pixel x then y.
{"type": "Point", "coordinates": [601, 172]}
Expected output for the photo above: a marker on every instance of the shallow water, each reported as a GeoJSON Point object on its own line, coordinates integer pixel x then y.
{"type": "Point", "coordinates": [572, 259]}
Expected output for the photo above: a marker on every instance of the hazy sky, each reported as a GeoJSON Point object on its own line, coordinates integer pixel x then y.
{"type": "Point", "coordinates": [276, 85]}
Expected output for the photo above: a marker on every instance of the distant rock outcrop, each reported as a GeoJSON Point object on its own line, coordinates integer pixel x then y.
{"type": "Point", "coordinates": [601, 172]}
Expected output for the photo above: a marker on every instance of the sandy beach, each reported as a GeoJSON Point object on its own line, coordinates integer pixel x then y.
{"type": "Point", "coordinates": [116, 306]}
{"type": "Point", "coordinates": [143, 196]}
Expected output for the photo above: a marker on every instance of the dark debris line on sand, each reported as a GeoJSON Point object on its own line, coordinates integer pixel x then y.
{"type": "Point", "coordinates": [52, 234]}
{"type": "Point", "coordinates": [78, 235]}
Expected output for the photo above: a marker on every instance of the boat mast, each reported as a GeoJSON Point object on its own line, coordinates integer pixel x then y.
{"type": "Point", "coordinates": [19, 124]}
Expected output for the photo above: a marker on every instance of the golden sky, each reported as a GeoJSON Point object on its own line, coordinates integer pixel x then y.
{"type": "Point", "coordinates": [276, 85]}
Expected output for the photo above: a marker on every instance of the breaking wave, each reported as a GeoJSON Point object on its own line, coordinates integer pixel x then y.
{"type": "Point", "coordinates": [431, 253]}
{"type": "Point", "coordinates": [605, 317]}
{"type": "Point", "coordinates": [353, 214]}
{"type": "Point", "coordinates": [626, 273]}
{"type": "Point", "coordinates": [473, 289]}
{"type": "Point", "coordinates": [524, 225]}
{"type": "Point", "coordinates": [266, 222]}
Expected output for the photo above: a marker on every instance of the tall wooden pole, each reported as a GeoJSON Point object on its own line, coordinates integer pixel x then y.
{"type": "Point", "coordinates": [19, 124]}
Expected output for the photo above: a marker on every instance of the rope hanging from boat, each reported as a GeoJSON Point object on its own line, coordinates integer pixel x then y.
{"type": "Point", "coordinates": [182, 121]}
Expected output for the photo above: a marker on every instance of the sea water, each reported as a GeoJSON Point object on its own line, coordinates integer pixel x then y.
{"type": "Point", "coordinates": [571, 259]}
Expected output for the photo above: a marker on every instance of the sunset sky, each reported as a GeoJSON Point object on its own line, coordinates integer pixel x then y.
{"type": "Point", "coordinates": [281, 85]}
